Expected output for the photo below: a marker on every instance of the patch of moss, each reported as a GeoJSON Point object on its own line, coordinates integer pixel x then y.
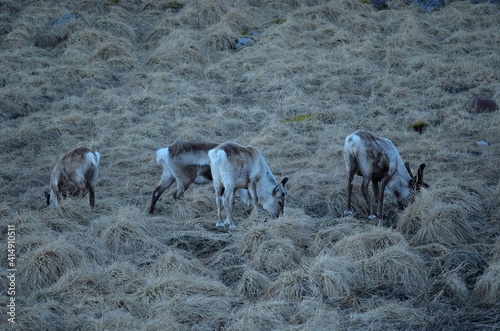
{"type": "Point", "coordinates": [174, 5]}
{"type": "Point", "coordinates": [298, 118]}
{"type": "Point", "coordinates": [418, 126]}
{"type": "Point", "coordinates": [278, 20]}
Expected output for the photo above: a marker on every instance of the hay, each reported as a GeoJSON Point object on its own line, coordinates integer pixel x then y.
{"type": "Point", "coordinates": [172, 284]}
{"type": "Point", "coordinates": [253, 284]}
{"type": "Point", "coordinates": [391, 316]}
{"type": "Point", "coordinates": [487, 288]}
{"type": "Point", "coordinates": [175, 261]}
{"type": "Point", "coordinates": [42, 267]}
{"type": "Point", "coordinates": [395, 268]}
{"type": "Point", "coordinates": [276, 256]}
{"type": "Point", "coordinates": [269, 315]}
{"type": "Point", "coordinates": [291, 286]}
{"type": "Point", "coordinates": [125, 232]}
{"type": "Point", "coordinates": [332, 277]}
{"type": "Point", "coordinates": [441, 216]}
{"type": "Point", "coordinates": [196, 311]}
{"type": "Point", "coordinates": [254, 237]}
{"type": "Point", "coordinates": [450, 289]}
{"type": "Point", "coordinates": [365, 244]}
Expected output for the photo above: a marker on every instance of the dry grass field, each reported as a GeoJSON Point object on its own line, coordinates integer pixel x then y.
{"type": "Point", "coordinates": [292, 78]}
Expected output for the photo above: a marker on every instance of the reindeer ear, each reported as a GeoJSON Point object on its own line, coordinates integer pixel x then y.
{"type": "Point", "coordinates": [407, 166]}
{"type": "Point", "coordinates": [284, 181]}
{"type": "Point", "coordinates": [47, 196]}
{"type": "Point", "coordinates": [420, 176]}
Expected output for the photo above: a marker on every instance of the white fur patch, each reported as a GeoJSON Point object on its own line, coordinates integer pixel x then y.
{"type": "Point", "coordinates": [162, 155]}
{"type": "Point", "coordinates": [93, 157]}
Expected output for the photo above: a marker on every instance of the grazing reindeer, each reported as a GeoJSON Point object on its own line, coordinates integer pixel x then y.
{"type": "Point", "coordinates": [184, 162]}
{"type": "Point", "coordinates": [80, 168]}
{"type": "Point", "coordinates": [378, 161]}
{"type": "Point", "coordinates": [233, 167]}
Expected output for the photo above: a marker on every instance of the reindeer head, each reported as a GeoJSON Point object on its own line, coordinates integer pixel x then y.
{"type": "Point", "coordinates": [417, 182]}
{"type": "Point", "coordinates": [275, 203]}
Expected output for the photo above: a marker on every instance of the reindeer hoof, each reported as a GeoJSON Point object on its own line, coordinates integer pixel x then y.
{"type": "Point", "coordinates": [219, 224]}
{"type": "Point", "coordinates": [348, 213]}
{"type": "Point", "coordinates": [372, 217]}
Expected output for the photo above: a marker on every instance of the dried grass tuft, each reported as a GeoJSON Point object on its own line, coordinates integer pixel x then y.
{"type": "Point", "coordinates": [390, 316]}
{"type": "Point", "coordinates": [125, 232]}
{"type": "Point", "coordinates": [440, 216]}
{"type": "Point", "coordinates": [253, 284]}
{"type": "Point", "coordinates": [173, 284]}
{"type": "Point", "coordinates": [394, 268]}
{"type": "Point", "coordinates": [365, 244]}
{"type": "Point", "coordinates": [44, 266]}
{"type": "Point", "coordinates": [487, 288]}
{"type": "Point", "coordinates": [332, 277]}
{"type": "Point", "coordinates": [276, 256]}
{"type": "Point", "coordinates": [254, 237]}
{"type": "Point", "coordinates": [290, 286]}
{"type": "Point", "coordinates": [267, 315]}
{"type": "Point", "coordinates": [175, 261]}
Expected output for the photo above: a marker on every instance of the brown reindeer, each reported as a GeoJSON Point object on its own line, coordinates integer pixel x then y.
{"type": "Point", "coordinates": [185, 162]}
{"type": "Point", "coordinates": [74, 174]}
{"type": "Point", "coordinates": [376, 159]}
{"type": "Point", "coordinates": [238, 167]}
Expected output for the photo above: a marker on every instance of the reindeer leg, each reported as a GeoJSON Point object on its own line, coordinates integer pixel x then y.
{"type": "Point", "coordinates": [165, 183]}
{"type": "Point", "coordinates": [380, 202]}
{"type": "Point", "coordinates": [366, 194]}
{"type": "Point", "coordinates": [219, 191]}
{"type": "Point", "coordinates": [348, 211]}
{"type": "Point", "coordinates": [253, 196]}
{"type": "Point", "coordinates": [375, 190]}
{"type": "Point", "coordinates": [91, 196]}
{"type": "Point", "coordinates": [226, 201]}
{"type": "Point", "coordinates": [231, 205]}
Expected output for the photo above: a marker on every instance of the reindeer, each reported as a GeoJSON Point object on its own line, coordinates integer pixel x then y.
{"type": "Point", "coordinates": [184, 162]}
{"type": "Point", "coordinates": [376, 159]}
{"type": "Point", "coordinates": [234, 167]}
{"type": "Point", "coordinates": [78, 168]}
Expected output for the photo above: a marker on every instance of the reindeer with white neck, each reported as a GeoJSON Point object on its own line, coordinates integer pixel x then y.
{"type": "Point", "coordinates": [78, 168]}
{"type": "Point", "coordinates": [376, 159]}
{"type": "Point", "coordinates": [185, 162]}
{"type": "Point", "coordinates": [237, 167]}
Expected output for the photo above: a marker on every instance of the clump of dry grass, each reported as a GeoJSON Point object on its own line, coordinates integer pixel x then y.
{"type": "Point", "coordinates": [332, 277]}
{"type": "Point", "coordinates": [275, 256]}
{"type": "Point", "coordinates": [125, 232]}
{"type": "Point", "coordinates": [365, 244]}
{"type": "Point", "coordinates": [325, 239]}
{"type": "Point", "coordinates": [450, 288]}
{"type": "Point", "coordinates": [468, 265]}
{"type": "Point", "coordinates": [487, 288]}
{"type": "Point", "coordinates": [253, 284]}
{"type": "Point", "coordinates": [392, 315]}
{"type": "Point", "coordinates": [176, 261]}
{"type": "Point", "coordinates": [254, 237]}
{"type": "Point", "coordinates": [82, 285]}
{"type": "Point", "coordinates": [394, 268]}
{"type": "Point", "coordinates": [267, 315]}
{"type": "Point", "coordinates": [194, 312]}
{"type": "Point", "coordinates": [290, 286]}
{"type": "Point", "coordinates": [172, 284]}
{"type": "Point", "coordinates": [440, 216]}
{"type": "Point", "coordinates": [122, 277]}
{"type": "Point", "coordinates": [119, 319]}
{"type": "Point", "coordinates": [43, 266]}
